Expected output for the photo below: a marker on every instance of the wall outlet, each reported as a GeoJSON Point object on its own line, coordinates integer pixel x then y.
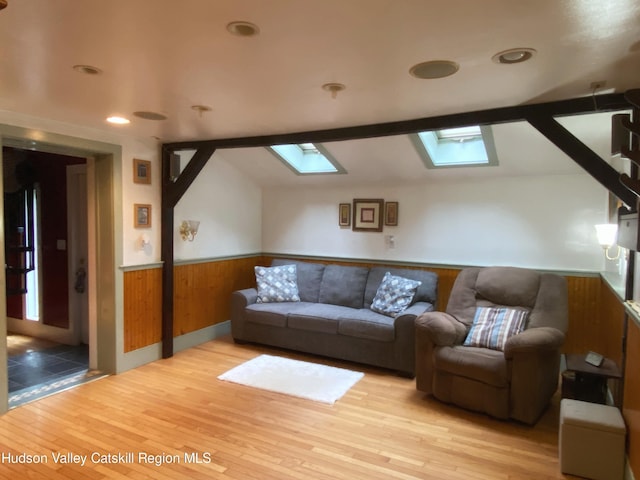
{"type": "Point", "coordinates": [390, 241]}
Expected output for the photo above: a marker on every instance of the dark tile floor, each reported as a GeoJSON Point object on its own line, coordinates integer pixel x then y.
{"type": "Point", "coordinates": [45, 366]}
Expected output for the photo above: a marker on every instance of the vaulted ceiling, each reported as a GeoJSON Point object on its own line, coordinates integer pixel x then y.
{"type": "Point", "coordinates": [166, 57]}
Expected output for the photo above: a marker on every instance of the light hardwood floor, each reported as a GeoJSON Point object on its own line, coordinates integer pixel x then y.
{"type": "Point", "coordinates": [381, 429]}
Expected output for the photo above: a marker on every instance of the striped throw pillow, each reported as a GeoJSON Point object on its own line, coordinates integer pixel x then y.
{"type": "Point", "coordinates": [492, 326]}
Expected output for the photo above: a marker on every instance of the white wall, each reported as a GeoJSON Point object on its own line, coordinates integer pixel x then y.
{"type": "Point", "coordinates": [229, 208]}
{"type": "Point", "coordinates": [543, 222]}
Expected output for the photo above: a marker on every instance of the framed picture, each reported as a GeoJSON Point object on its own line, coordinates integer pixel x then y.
{"type": "Point", "coordinates": [344, 217]}
{"type": "Point", "coordinates": [141, 171]}
{"type": "Point", "coordinates": [367, 215]}
{"type": "Point", "coordinates": [391, 214]}
{"type": "Point", "coordinates": [141, 215]}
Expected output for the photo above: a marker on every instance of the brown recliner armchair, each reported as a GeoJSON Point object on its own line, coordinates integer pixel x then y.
{"type": "Point", "coordinates": [516, 382]}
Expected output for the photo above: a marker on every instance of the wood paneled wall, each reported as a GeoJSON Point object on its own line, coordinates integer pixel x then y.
{"type": "Point", "coordinates": [202, 294]}
{"type": "Point", "coordinates": [142, 308]}
{"type": "Point", "coordinates": [631, 405]}
{"type": "Point", "coordinates": [203, 291]}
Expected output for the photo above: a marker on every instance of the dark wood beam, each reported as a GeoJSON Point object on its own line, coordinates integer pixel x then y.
{"type": "Point", "coordinates": [609, 102]}
{"type": "Point", "coordinates": [599, 169]}
{"type": "Point", "coordinates": [539, 115]}
{"type": "Point", "coordinates": [172, 192]}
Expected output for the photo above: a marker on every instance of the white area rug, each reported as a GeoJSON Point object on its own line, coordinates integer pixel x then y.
{"type": "Point", "coordinates": [294, 377]}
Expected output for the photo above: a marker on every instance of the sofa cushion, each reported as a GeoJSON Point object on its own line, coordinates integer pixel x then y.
{"type": "Point", "coordinates": [342, 285]}
{"type": "Point", "coordinates": [426, 292]}
{"type": "Point", "coordinates": [480, 364]}
{"type": "Point", "coordinates": [274, 314]}
{"type": "Point", "coordinates": [317, 317]}
{"type": "Point", "coordinates": [309, 277]}
{"type": "Point", "coordinates": [492, 326]}
{"type": "Point", "coordinates": [394, 295]}
{"type": "Point", "coordinates": [366, 324]}
{"type": "Point", "coordinates": [277, 284]}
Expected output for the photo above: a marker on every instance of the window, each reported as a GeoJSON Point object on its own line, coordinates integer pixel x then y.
{"type": "Point", "coordinates": [307, 159]}
{"type": "Point", "coordinates": [456, 147]}
{"type": "Point", "coordinates": [34, 277]}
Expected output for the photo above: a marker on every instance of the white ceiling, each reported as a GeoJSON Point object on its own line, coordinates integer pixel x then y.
{"type": "Point", "coordinates": [166, 56]}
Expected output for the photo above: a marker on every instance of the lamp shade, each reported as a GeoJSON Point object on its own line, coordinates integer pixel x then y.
{"type": "Point", "coordinates": [607, 233]}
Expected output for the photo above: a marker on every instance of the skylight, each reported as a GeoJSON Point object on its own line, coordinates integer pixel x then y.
{"type": "Point", "coordinates": [307, 159]}
{"type": "Point", "coordinates": [456, 147]}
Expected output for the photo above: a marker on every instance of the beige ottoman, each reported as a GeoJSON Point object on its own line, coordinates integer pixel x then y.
{"type": "Point", "coordinates": [591, 440]}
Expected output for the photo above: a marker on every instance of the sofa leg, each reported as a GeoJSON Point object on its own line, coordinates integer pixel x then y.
{"type": "Point", "coordinates": [240, 342]}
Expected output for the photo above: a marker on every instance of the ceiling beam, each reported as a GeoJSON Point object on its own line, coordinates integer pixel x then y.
{"type": "Point", "coordinates": [590, 161]}
{"type": "Point", "coordinates": [541, 116]}
{"type": "Point", "coordinates": [608, 102]}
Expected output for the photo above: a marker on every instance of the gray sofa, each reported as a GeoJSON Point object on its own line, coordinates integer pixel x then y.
{"type": "Point", "coordinates": [333, 317]}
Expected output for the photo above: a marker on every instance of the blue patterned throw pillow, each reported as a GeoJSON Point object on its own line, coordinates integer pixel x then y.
{"type": "Point", "coordinates": [394, 295]}
{"type": "Point", "coordinates": [492, 326]}
{"type": "Point", "coordinates": [277, 284]}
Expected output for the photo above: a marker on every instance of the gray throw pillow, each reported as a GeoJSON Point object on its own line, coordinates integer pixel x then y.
{"type": "Point", "coordinates": [277, 284]}
{"type": "Point", "coordinates": [394, 295]}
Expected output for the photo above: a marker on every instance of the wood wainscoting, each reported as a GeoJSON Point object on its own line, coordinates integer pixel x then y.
{"type": "Point", "coordinates": [631, 403]}
{"type": "Point", "coordinates": [142, 301]}
{"type": "Point", "coordinates": [202, 293]}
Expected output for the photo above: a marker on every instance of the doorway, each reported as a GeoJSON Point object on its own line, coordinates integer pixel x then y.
{"type": "Point", "coordinates": [103, 165]}
{"type": "Point", "coordinates": [46, 246]}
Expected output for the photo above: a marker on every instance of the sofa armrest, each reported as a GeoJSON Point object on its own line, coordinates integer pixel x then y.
{"type": "Point", "coordinates": [534, 358]}
{"type": "Point", "coordinates": [440, 328]}
{"type": "Point", "coordinates": [534, 339]}
{"type": "Point", "coordinates": [244, 297]}
{"type": "Point", "coordinates": [410, 314]}
{"type": "Point", "coordinates": [240, 299]}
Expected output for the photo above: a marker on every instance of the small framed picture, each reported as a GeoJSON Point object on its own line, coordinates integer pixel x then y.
{"type": "Point", "coordinates": [141, 215]}
{"type": "Point", "coordinates": [367, 215]}
{"type": "Point", "coordinates": [141, 171]}
{"type": "Point", "coordinates": [344, 217]}
{"type": "Point", "coordinates": [391, 214]}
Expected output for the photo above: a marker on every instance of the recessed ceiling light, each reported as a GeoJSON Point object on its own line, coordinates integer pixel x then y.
{"type": "Point", "coordinates": [201, 109]}
{"type": "Point", "coordinates": [333, 88]}
{"type": "Point", "coordinates": [514, 55]}
{"type": "Point", "coordinates": [434, 69]}
{"type": "Point", "coordinates": [150, 115]}
{"type": "Point", "coordinates": [243, 29]}
{"type": "Point", "coordinates": [87, 69]}
{"type": "Point", "coordinates": [116, 120]}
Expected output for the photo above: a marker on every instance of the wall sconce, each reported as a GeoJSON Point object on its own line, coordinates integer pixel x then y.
{"type": "Point", "coordinates": [607, 233]}
{"type": "Point", "coordinates": [189, 229]}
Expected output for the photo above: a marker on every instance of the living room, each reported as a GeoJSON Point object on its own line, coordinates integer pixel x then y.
{"type": "Point", "coordinates": [537, 208]}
